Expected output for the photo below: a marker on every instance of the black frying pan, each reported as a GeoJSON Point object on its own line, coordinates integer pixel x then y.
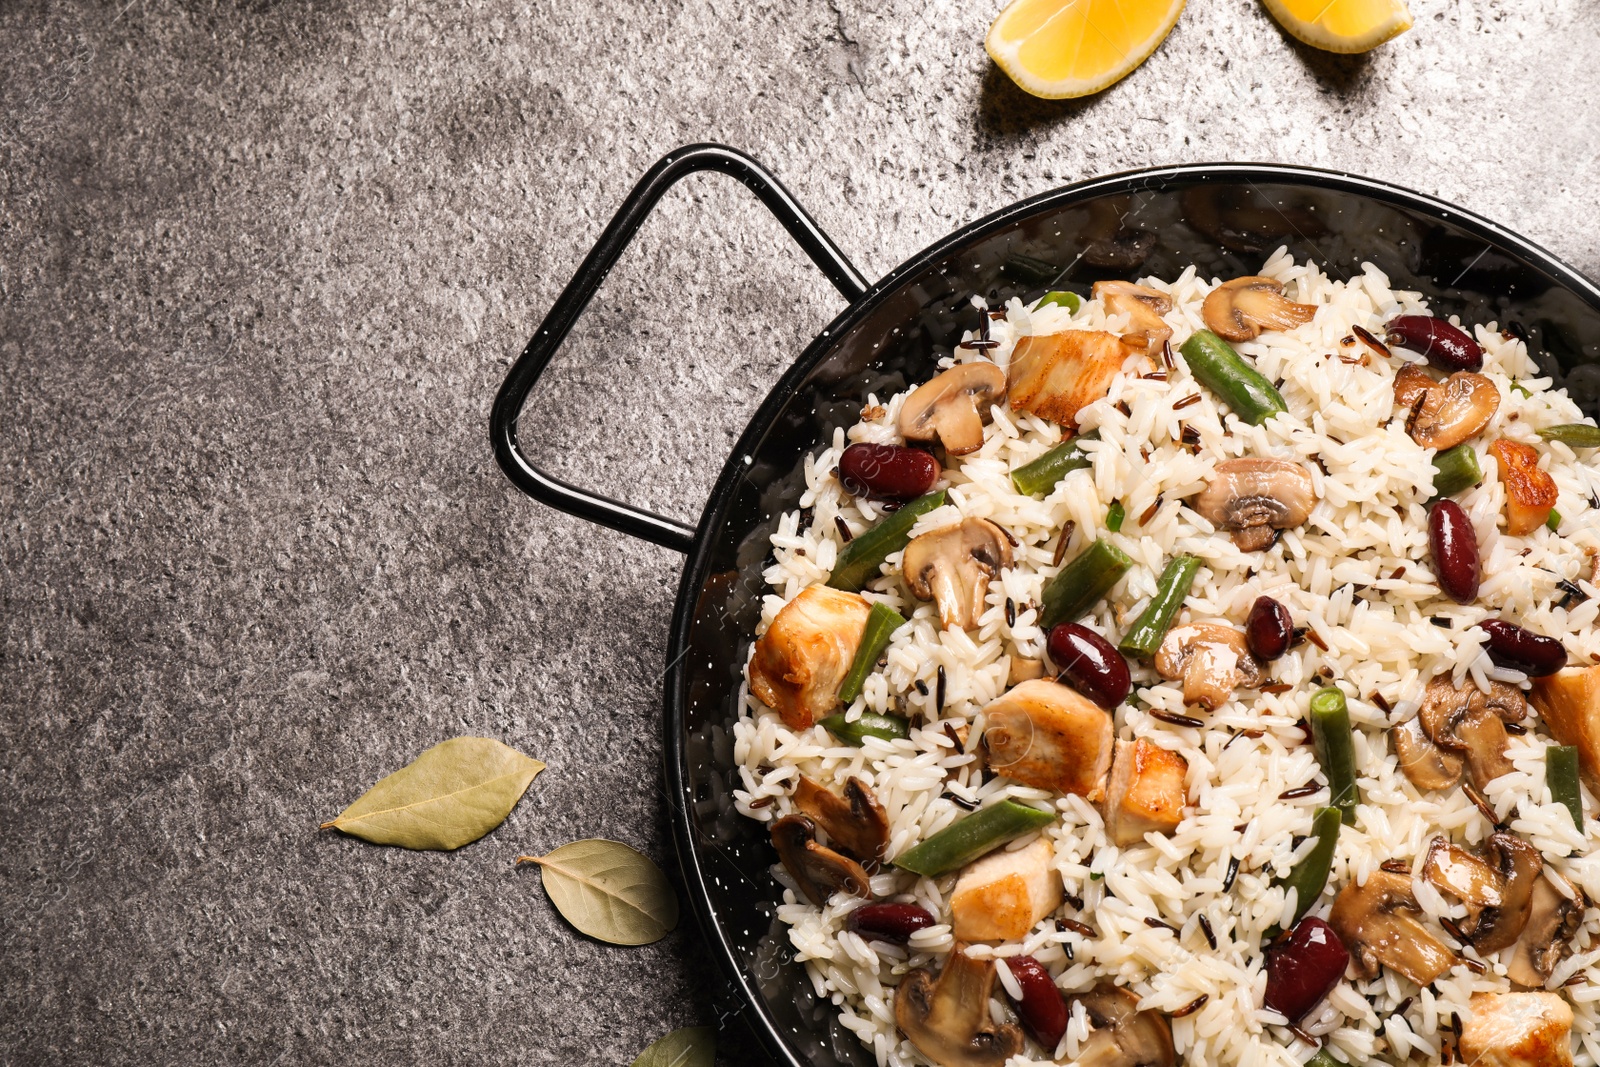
{"type": "Point", "coordinates": [1223, 218]}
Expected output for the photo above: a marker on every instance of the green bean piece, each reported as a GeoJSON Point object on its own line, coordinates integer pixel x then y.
{"type": "Point", "coordinates": [1575, 434]}
{"type": "Point", "coordinates": [1043, 474]}
{"type": "Point", "coordinates": [1081, 584]}
{"type": "Point", "coordinates": [1310, 875]}
{"type": "Point", "coordinates": [1455, 469]}
{"type": "Point", "coordinates": [1323, 1058]}
{"type": "Point", "coordinates": [882, 622]}
{"type": "Point", "coordinates": [1171, 589]}
{"type": "Point", "coordinates": [1220, 369]}
{"type": "Point", "coordinates": [1561, 775]}
{"type": "Point", "coordinates": [1336, 749]}
{"type": "Point", "coordinates": [975, 835]}
{"type": "Point", "coordinates": [1114, 516]}
{"type": "Point", "coordinates": [1520, 389]}
{"type": "Point", "coordinates": [1030, 269]}
{"type": "Point", "coordinates": [870, 724]}
{"type": "Point", "coordinates": [1062, 298]}
{"type": "Point", "coordinates": [1554, 521]}
{"type": "Point", "coordinates": [860, 560]}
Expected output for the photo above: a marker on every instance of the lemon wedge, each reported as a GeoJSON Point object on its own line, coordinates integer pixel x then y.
{"type": "Point", "coordinates": [1342, 25]}
{"type": "Point", "coordinates": [1065, 48]}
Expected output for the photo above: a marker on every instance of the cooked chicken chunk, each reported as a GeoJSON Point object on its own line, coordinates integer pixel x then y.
{"type": "Point", "coordinates": [1147, 791]}
{"type": "Point", "coordinates": [1569, 701]}
{"type": "Point", "coordinates": [1003, 895]}
{"type": "Point", "coordinates": [1057, 375]}
{"type": "Point", "coordinates": [1518, 1030]}
{"type": "Point", "coordinates": [806, 652]}
{"type": "Point", "coordinates": [1045, 735]}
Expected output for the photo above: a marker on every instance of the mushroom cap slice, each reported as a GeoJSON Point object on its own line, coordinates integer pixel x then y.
{"type": "Point", "coordinates": [953, 406]}
{"type": "Point", "coordinates": [1003, 895]}
{"type": "Point", "coordinates": [1470, 724]}
{"type": "Point", "coordinates": [1147, 792]}
{"type": "Point", "coordinates": [1553, 921]}
{"type": "Point", "coordinates": [1057, 375]}
{"type": "Point", "coordinates": [1426, 764]}
{"type": "Point", "coordinates": [819, 871]}
{"type": "Point", "coordinates": [1530, 491]}
{"type": "Point", "coordinates": [1497, 889]}
{"type": "Point", "coordinates": [952, 566]}
{"type": "Point", "coordinates": [1569, 703]}
{"type": "Point", "coordinates": [1240, 309]}
{"type": "Point", "coordinates": [1377, 923]}
{"type": "Point", "coordinates": [1441, 415]}
{"type": "Point", "coordinates": [1143, 306]}
{"type": "Point", "coordinates": [855, 822]}
{"type": "Point", "coordinates": [1046, 735]}
{"type": "Point", "coordinates": [1212, 658]}
{"type": "Point", "coordinates": [1517, 1030]}
{"type": "Point", "coordinates": [800, 662]}
{"type": "Point", "coordinates": [1122, 1035]}
{"type": "Point", "coordinates": [1254, 497]}
{"type": "Point", "coordinates": [948, 1020]}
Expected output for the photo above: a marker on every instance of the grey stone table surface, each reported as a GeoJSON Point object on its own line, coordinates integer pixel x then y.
{"type": "Point", "coordinates": [263, 265]}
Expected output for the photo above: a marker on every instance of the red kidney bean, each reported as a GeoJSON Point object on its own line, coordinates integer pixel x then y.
{"type": "Point", "coordinates": [1303, 968]}
{"type": "Point", "coordinates": [1522, 650]}
{"type": "Point", "coordinates": [1042, 1009]}
{"type": "Point", "coordinates": [887, 472]}
{"type": "Point", "coordinates": [1269, 629]}
{"type": "Point", "coordinates": [1090, 664]}
{"type": "Point", "coordinates": [1455, 551]}
{"type": "Point", "coordinates": [894, 923]}
{"type": "Point", "coordinates": [1445, 346]}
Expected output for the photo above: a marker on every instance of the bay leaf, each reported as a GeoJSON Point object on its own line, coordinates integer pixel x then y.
{"type": "Point", "coordinates": [449, 796]}
{"type": "Point", "coordinates": [609, 891]}
{"type": "Point", "coordinates": [693, 1046]}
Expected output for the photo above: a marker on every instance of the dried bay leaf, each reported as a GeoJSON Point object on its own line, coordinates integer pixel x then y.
{"type": "Point", "coordinates": [609, 891]}
{"type": "Point", "coordinates": [693, 1046]}
{"type": "Point", "coordinates": [449, 796]}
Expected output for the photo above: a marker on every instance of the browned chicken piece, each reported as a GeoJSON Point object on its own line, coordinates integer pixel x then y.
{"type": "Point", "coordinates": [803, 657]}
{"type": "Point", "coordinates": [1058, 375]}
{"type": "Point", "coordinates": [1530, 491]}
{"type": "Point", "coordinates": [1048, 736]}
{"type": "Point", "coordinates": [1147, 793]}
{"type": "Point", "coordinates": [1003, 895]}
{"type": "Point", "coordinates": [1517, 1030]}
{"type": "Point", "coordinates": [1569, 702]}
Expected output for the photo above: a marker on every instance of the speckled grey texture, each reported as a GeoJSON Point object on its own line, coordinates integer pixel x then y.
{"type": "Point", "coordinates": [262, 266]}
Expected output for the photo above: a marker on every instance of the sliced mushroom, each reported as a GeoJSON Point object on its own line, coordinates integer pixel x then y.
{"type": "Point", "coordinates": [1441, 415]}
{"type": "Point", "coordinates": [1377, 923]}
{"type": "Point", "coordinates": [1497, 888]}
{"type": "Point", "coordinates": [949, 1020]}
{"type": "Point", "coordinates": [1426, 764]}
{"type": "Point", "coordinates": [1003, 895]}
{"type": "Point", "coordinates": [855, 822]}
{"type": "Point", "coordinates": [1553, 922]}
{"type": "Point", "coordinates": [953, 406]}
{"type": "Point", "coordinates": [1517, 1030]}
{"type": "Point", "coordinates": [1057, 375]}
{"type": "Point", "coordinates": [1569, 703]}
{"type": "Point", "coordinates": [1472, 725]}
{"type": "Point", "coordinates": [1046, 735]}
{"type": "Point", "coordinates": [1212, 658]}
{"type": "Point", "coordinates": [1239, 310]}
{"type": "Point", "coordinates": [1255, 498]}
{"type": "Point", "coordinates": [952, 567]}
{"type": "Point", "coordinates": [1144, 308]}
{"type": "Point", "coordinates": [799, 663]}
{"type": "Point", "coordinates": [1147, 792]}
{"type": "Point", "coordinates": [1122, 1035]}
{"type": "Point", "coordinates": [819, 871]}
{"type": "Point", "coordinates": [1530, 492]}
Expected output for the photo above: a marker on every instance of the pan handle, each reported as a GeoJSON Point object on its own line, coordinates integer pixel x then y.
{"type": "Point", "coordinates": [524, 373]}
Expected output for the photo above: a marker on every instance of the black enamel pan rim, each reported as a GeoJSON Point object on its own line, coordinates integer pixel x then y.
{"type": "Point", "coordinates": [694, 571]}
